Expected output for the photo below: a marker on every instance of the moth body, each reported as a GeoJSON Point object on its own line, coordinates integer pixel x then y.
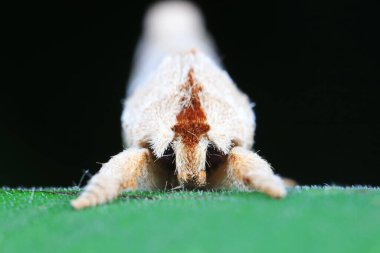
{"type": "Point", "coordinates": [185, 123]}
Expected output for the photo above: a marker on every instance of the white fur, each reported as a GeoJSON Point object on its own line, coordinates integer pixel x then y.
{"type": "Point", "coordinates": [174, 48]}
{"type": "Point", "coordinates": [150, 113]}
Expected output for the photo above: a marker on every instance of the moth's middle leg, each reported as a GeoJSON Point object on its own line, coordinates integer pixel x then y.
{"type": "Point", "coordinates": [245, 169]}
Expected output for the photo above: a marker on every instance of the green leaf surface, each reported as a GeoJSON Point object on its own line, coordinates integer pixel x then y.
{"type": "Point", "coordinates": [309, 219]}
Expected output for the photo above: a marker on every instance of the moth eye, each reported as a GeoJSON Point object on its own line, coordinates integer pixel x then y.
{"type": "Point", "coordinates": [214, 157]}
{"type": "Point", "coordinates": [169, 151]}
{"type": "Point", "coordinates": [167, 160]}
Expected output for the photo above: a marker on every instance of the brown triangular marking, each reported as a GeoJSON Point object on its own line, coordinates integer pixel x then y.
{"type": "Point", "coordinates": [191, 121]}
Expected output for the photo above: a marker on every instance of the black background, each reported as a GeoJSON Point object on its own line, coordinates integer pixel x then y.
{"type": "Point", "coordinates": [312, 69]}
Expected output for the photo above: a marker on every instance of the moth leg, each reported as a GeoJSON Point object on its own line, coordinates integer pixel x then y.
{"type": "Point", "coordinates": [119, 173]}
{"type": "Point", "coordinates": [249, 169]}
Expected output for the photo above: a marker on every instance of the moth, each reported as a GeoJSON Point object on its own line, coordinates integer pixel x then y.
{"type": "Point", "coordinates": [185, 123]}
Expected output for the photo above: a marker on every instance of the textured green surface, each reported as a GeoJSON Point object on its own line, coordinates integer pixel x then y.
{"type": "Point", "coordinates": [308, 220]}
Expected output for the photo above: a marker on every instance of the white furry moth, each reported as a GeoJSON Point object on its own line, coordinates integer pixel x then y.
{"type": "Point", "coordinates": [185, 123]}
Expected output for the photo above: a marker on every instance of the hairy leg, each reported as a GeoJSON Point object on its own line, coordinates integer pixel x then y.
{"type": "Point", "coordinates": [119, 173]}
{"type": "Point", "coordinates": [249, 169]}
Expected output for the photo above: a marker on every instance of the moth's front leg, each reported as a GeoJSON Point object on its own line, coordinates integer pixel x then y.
{"type": "Point", "coordinates": [251, 170]}
{"type": "Point", "coordinates": [120, 172]}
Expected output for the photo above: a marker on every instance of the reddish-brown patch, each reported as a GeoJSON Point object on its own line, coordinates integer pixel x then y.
{"type": "Point", "coordinates": [191, 121]}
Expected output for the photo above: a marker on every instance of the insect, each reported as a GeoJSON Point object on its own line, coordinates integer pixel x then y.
{"type": "Point", "coordinates": [185, 123]}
